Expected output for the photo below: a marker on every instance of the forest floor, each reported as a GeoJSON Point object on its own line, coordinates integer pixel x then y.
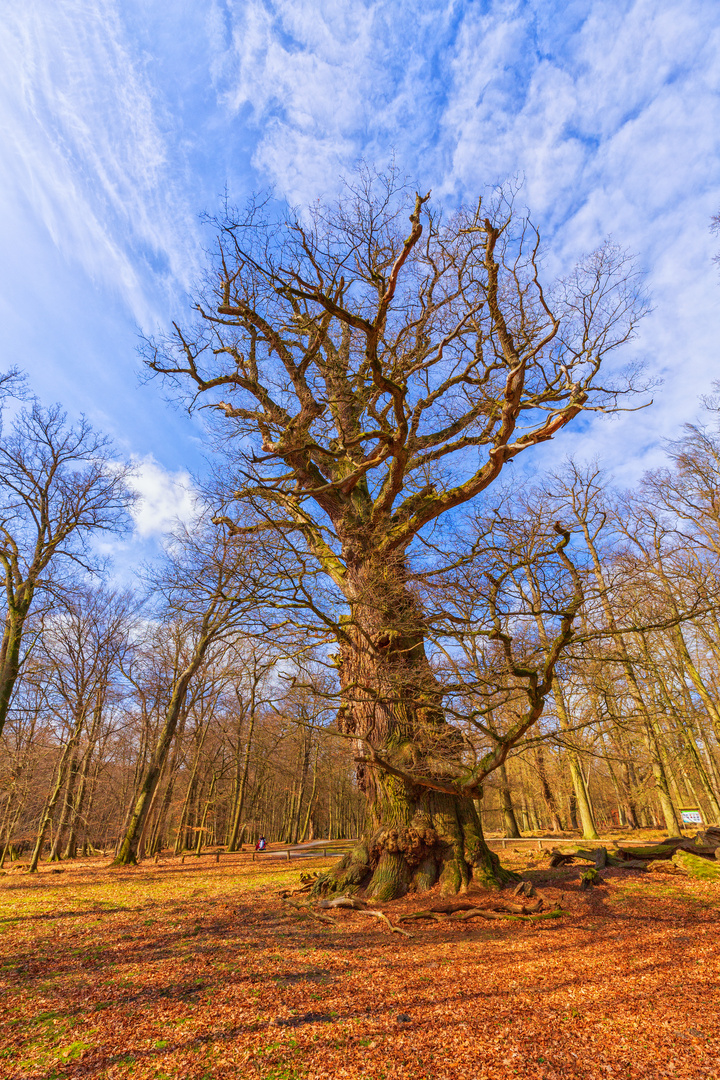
{"type": "Point", "coordinates": [198, 970]}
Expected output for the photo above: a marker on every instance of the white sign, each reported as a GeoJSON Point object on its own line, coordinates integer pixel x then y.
{"type": "Point", "coordinates": [691, 817]}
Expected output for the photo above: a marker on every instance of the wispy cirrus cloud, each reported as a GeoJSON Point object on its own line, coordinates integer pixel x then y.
{"type": "Point", "coordinates": [123, 119]}
{"type": "Point", "coordinates": [326, 84]}
{"type": "Point", "coordinates": [85, 144]}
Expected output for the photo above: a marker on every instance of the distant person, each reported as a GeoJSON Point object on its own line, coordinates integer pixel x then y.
{"type": "Point", "coordinates": [261, 844]}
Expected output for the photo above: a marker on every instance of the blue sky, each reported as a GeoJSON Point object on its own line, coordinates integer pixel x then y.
{"type": "Point", "coordinates": [123, 120]}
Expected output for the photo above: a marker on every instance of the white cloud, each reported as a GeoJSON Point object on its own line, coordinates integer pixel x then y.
{"type": "Point", "coordinates": [609, 110]}
{"type": "Point", "coordinates": [166, 498]}
{"type": "Point", "coordinates": [84, 147]}
{"type": "Point", "coordinates": [328, 83]}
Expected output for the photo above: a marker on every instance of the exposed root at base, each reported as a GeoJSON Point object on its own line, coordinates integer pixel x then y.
{"type": "Point", "coordinates": [381, 869]}
{"type": "Point", "coordinates": [507, 910]}
{"type": "Point", "coordinates": [305, 909]}
{"type": "Point", "coordinates": [457, 912]}
{"type": "Point", "coordinates": [344, 902]}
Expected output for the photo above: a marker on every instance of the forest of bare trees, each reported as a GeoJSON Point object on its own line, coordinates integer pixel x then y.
{"type": "Point", "coordinates": [369, 627]}
{"type": "Point", "coordinates": [630, 734]}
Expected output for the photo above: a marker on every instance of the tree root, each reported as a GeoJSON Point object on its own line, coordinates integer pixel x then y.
{"type": "Point", "coordinates": [351, 902]}
{"type": "Point", "coordinates": [343, 902]}
{"type": "Point", "coordinates": [506, 910]}
{"type": "Point", "coordinates": [355, 904]}
{"type": "Point", "coordinates": [485, 913]}
{"type": "Point", "coordinates": [307, 883]}
{"type": "Point", "coordinates": [437, 915]}
{"type": "Point", "coordinates": [305, 909]}
{"type": "Point", "coordinates": [380, 915]}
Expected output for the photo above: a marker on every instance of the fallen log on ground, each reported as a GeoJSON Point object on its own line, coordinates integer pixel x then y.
{"type": "Point", "coordinates": [663, 866]}
{"type": "Point", "coordinates": [710, 837]}
{"type": "Point", "coordinates": [635, 858]}
{"type": "Point", "coordinates": [597, 856]}
{"type": "Point", "coordinates": [667, 848]}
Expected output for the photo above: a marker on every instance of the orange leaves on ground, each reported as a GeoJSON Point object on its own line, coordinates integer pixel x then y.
{"type": "Point", "coordinates": [197, 970]}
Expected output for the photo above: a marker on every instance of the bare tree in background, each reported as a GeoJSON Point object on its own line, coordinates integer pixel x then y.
{"type": "Point", "coordinates": [82, 647]}
{"type": "Point", "coordinates": [209, 584]}
{"type": "Point", "coordinates": [60, 485]}
{"type": "Point", "coordinates": [374, 380]}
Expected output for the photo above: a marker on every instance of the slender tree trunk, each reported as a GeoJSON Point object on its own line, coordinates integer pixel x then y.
{"type": "Point", "coordinates": [654, 747]}
{"type": "Point", "coordinates": [240, 801]}
{"type": "Point", "coordinates": [78, 805]}
{"type": "Point", "coordinates": [547, 792]}
{"type": "Point", "coordinates": [66, 810]}
{"type": "Point", "coordinates": [311, 803]}
{"type": "Point", "coordinates": [10, 649]}
{"type": "Point", "coordinates": [127, 854]}
{"type": "Point", "coordinates": [688, 738]}
{"type": "Point", "coordinates": [510, 821]}
{"type": "Point", "coordinates": [304, 765]}
{"type": "Point", "coordinates": [65, 757]}
{"type": "Point", "coordinates": [628, 777]}
{"type": "Point", "coordinates": [698, 682]}
{"type": "Point", "coordinates": [9, 828]}
{"type": "Point", "coordinates": [190, 793]}
{"type": "Point", "coordinates": [582, 796]}
{"type": "Point", "coordinates": [208, 804]}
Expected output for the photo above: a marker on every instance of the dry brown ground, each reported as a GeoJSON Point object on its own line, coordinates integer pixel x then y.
{"type": "Point", "coordinates": [199, 971]}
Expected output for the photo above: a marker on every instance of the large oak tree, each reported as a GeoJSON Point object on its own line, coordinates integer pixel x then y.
{"type": "Point", "coordinates": [373, 380]}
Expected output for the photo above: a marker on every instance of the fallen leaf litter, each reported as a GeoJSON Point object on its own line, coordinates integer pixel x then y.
{"type": "Point", "coordinates": [199, 970]}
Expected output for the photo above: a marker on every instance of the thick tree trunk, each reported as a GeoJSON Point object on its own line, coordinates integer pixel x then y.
{"type": "Point", "coordinates": [426, 837]}
{"type": "Point", "coordinates": [392, 705]}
